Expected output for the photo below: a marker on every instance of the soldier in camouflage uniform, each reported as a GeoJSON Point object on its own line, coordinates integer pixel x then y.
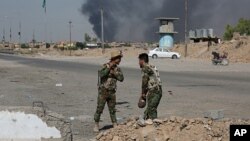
{"type": "Point", "coordinates": [109, 74]}
{"type": "Point", "coordinates": [151, 86]}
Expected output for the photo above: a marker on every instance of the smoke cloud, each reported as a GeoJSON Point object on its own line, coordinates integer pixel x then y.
{"type": "Point", "coordinates": [133, 20]}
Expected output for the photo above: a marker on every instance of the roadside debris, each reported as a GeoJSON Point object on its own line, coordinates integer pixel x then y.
{"type": "Point", "coordinates": [172, 128]}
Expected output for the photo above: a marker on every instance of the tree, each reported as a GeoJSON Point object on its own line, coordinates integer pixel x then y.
{"type": "Point", "coordinates": [87, 38]}
{"type": "Point", "coordinates": [47, 45]}
{"type": "Point", "coordinates": [24, 46]}
{"type": "Point", "coordinates": [228, 35]}
{"type": "Point", "coordinates": [80, 45]}
{"type": "Point", "coordinates": [243, 27]}
{"type": "Point", "coordinates": [94, 40]}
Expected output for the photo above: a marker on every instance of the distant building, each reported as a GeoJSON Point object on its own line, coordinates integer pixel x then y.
{"type": "Point", "coordinates": [166, 32]}
{"type": "Point", "coordinates": [65, 44]}
{"type": "Point", "coordinates": [92, 45]}
{"type": "Point", "coordinates": [203, 35]}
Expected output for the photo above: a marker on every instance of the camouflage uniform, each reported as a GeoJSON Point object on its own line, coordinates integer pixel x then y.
{"type": "Point", "coordinates": [107, 89]}
{"type": "Point", "coordinates": [151, 86]}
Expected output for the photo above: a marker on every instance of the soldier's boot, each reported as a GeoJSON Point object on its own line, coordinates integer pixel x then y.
{"type": "Point", "coordinates": [115, 124]}
{"type": "Point", "coordinates": [96, 127]}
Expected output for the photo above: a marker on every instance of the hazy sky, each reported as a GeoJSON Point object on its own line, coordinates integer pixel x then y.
{"type": "Point", "coordinates": [33, 18]}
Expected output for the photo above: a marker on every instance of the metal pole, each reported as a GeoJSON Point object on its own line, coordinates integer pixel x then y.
{"type": "Point", "coordinates": [45, 28]}
{"type": "Point", "coordinates": [70, 22]}
{"type": "Point", "coordinates": [10, 34]}
{"type": "Point", "coordinates": [102, 28]}
{"type": "Point", "coordinates": [33, 40]}
{"type": "Point", "coordinates": [10, 45]}
{"type": "Point", "coordinates": [186, 24]}
{"type": "Point", "coordinates": [4, 30]}
{"type": "Point", "coordinates": [4, 35]}
{"type": "Point", "coordinates": [19, 33]}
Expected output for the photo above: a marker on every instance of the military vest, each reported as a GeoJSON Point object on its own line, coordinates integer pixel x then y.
{"type": "Point", "coordinates": [154, 79]}
{"type": "Point", "coordinates": [110, 81]}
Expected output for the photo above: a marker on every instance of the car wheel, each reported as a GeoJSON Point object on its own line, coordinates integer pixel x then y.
{"type": "Point", "coordinates": [174, 57]}
{"type": "Point", "coordinates": [225, 62]}
{"type": "Point", "coordinates": [214, 62]}
{"type": "Point", "coordinates": [154, 56]}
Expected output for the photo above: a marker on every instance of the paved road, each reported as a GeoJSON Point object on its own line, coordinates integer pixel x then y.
{"type": "Point", "coordinates": [228, 81]}
{"type": "Point", "coordinates": [194, 92]}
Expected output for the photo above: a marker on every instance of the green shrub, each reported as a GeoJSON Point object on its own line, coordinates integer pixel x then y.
{"type": "Point", "coordinates": [24, 46]}
{"type": "Point", "coordinates": [47, 45]}
{"type": "Point", "coordinates": [107, 46]}
{"type": "Point", "coordinates": [243, 27]}
{"type": "Point", "coordinates": [80, 45]}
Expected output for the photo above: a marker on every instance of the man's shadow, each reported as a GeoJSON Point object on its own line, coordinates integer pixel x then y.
{"type": "Point", "coordinates": [106, 127]}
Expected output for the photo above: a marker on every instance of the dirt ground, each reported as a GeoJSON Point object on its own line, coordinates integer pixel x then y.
{"type": "Point", "coordinates": [171, 129]}
{"type": "Point", "coordinates": [76, 97]}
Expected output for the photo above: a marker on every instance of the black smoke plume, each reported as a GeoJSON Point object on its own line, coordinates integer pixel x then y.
{"type": "Point", "coordinates": [133, 20]}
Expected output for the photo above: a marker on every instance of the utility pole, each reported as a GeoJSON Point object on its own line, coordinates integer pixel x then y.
{"type": "Point", "coordinates": [70, 22]}
{"type": "Point", "coordinates": [10, 45]}
{"type": "Point", "coordinates": [102, 28]}
{"type": "Point", "coordinates": [10, 31]}
{"type": "Point", "coordinates": [33, 40]}
{"type": "Point", "coordinates": [4, 39]}
{"type": "Point", "coordinates": [19, 33]}
{"type": "Point", "coordinates": [10, 34]}
{"type": "Point", "coordinates": [186, 26]}
{"type": "Point", "coordinates": [4, 35]}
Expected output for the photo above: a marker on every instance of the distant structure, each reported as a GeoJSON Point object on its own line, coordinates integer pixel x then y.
{"type": "Point", "coordinates": [92, 45]}
{"type": "Point", "coordinates": [166, 32]}
{"type": "Point", "coordinates": [203, 35]}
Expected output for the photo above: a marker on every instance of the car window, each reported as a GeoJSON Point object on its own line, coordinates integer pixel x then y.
{"type": "Point", "coordinates": [165, 50]}
{"type": "Point", "coordinates": [157, 49]}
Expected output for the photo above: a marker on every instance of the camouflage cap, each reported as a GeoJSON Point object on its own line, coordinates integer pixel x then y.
{"type": "Point", "coordinates": [116, 53]}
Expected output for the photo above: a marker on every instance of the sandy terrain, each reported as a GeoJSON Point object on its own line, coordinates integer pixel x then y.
{"type": "Point", "coordinates": [238, 50]}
